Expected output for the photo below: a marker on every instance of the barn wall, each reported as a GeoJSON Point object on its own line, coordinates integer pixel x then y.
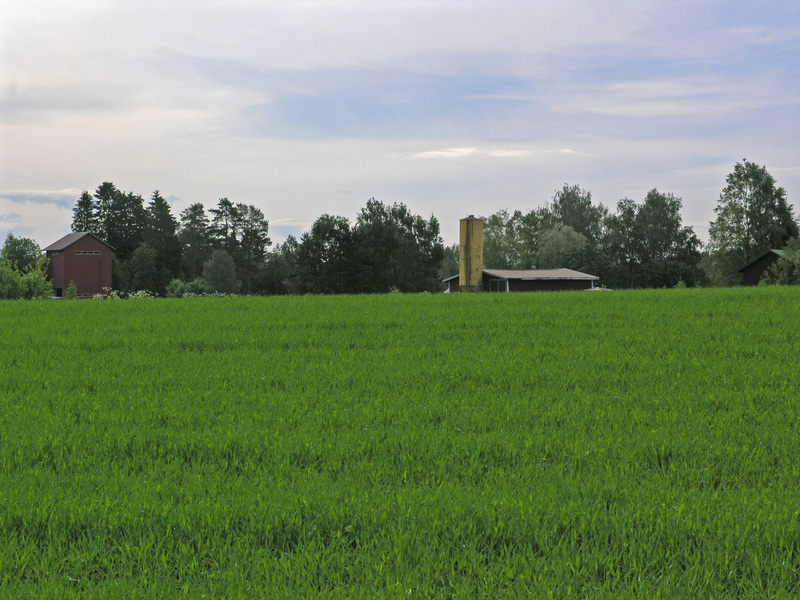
{"type": "Point", "coordinates": [753, 273]}
{"type": "Point", "coordinates": [540, 285]}
{"type": "Point", "coordinates": [548, 285]}
{"type": "Point", "coordinates": [90, 272]}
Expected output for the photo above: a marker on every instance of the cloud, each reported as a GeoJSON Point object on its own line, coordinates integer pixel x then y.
{"type": "Point", "coordinates": [63, 198]}
{"type": "Point", "coordinates": [446, 153]}
{"type": "Point", "coordinates": [11, 218]}
{"type": "Point", "coordinates": [458, 153]}
{"type": "Point", "coordinates": [41, 216]}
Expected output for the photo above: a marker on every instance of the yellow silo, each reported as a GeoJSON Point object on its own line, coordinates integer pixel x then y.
{"type": "Point", "coordinates": [470, 276]}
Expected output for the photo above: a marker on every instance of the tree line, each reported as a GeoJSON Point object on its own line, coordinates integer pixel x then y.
{"type": "Point", "coordinates": [227, 248]}
{"type": "Point", "coordinates": [645, 244]}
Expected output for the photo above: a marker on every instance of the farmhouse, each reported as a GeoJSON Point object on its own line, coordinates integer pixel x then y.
{"type": "Point", "coordinates": [754, 271]}
{"type": "Point", "coordinates": [83, 259]}
{"type": "Point", "coordinates": [473, 277]}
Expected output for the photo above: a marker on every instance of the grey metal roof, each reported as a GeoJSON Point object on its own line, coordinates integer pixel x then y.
{"type": "Point", "coordinates": [70, 239]}
{"type": "Point", "coordinates": [534, 274]}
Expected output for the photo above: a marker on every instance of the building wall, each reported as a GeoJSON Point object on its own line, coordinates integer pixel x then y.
{"type": "Point", "coordinates": [548, 285]}
{"type": "Point", "coordinates": [539, 285]}
{"type": "Point", "coordinates": [753, 273]}
{"type": "Point", "coordinates": [90, 272]}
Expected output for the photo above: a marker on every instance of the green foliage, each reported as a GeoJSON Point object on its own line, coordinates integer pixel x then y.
{"type": "Point", "coordinates": [649, 245]}
{"type": "Point", "coordinates": [84, 215]}
{"type": "Point", "coordinates": [22, 253]}
{"type": "Point", "coordinates": [501, 243]}
{"type": "Point", "coordinates": [450, 258]}
{"type": "Point", "coordinates": [71, 291]}
{"type": "Point", "coordinates": [558, 243]}
{"type": "Point", "coordinates": [325, 257]}
{"type": "Point", "coordinates": [195, 236]}
{"type": "Point", "coordinates": [572, 207]}
{"type": "Point", "coordinates": [753, 216]}
{"type": "Point", "coordinates": [146, 272]}
{"type": "Point", "coordinates": [786, 270]}
{"type": "Point", "coordinates": [625, 445]}
{"type": "Point", "coordinates": [219, 273]}
{"type": "Point", "coordinates": [161, 234]}
{"type": "Point", "coordinates": [279, 273]}
{"type": "Point", "coordinates": [29, 284]}
{"type": "Point", "coordinates": [394, 248]}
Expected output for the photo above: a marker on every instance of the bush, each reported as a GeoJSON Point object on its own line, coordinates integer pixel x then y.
{"type": "Point", "coordinates": [29, 284]}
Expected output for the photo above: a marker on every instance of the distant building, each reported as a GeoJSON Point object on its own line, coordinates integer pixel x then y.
{"type": "Point", "coordinates": [537, 280]}
{"type": "Point", "coordinates": [754, 271]}
{"type": "Point", "coordinates": [82, 259]}
{"type": "Point", "coordinates": [473, 277]}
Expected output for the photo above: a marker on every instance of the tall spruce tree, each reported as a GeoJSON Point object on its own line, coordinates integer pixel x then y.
{"type": "Point", "coordinates": [161, 234]}
{"type": "Point", "coordinates": [105, 195]}
{"type": "Point", "coordinates": [125, 224]}
{"type": "Point", "coordinates": [84, 215]}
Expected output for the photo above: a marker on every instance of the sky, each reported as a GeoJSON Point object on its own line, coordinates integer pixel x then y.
{"type": "Point", "coordinates": [451, 107]}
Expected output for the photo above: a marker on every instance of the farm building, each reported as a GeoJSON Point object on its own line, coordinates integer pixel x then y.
{"type": "Point", "coordinates": [82, 258]}
{"type": "Point", "coordinates": [473, 277]}
{"type": "Point", "coordinates": [536, 280]}
{"type": "Point", "coordinates": [754, 271]}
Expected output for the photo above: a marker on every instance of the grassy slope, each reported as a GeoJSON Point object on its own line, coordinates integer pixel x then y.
{"type": "Point", "coordinates": [581, 445]}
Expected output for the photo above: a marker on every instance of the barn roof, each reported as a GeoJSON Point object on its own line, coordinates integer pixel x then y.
{"type": "Point", "coordinates": [70, 239]}
{"type": "Point", "coordinates": [536, 274]}
{"type": "Point", "coordinates": [778, 253]}
{"type": "Point", "coordinates": [533, 274]}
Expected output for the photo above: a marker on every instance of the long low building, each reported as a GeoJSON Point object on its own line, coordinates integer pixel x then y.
{"type": "Point", "coordinates": [535, 280]}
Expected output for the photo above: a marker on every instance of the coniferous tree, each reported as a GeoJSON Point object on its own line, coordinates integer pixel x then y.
{"type": "Point", "coordinates": [84, 215]}
{"type": "Point", "coordinates": [195, 237]}
{"type": "Point", "coordinates": [224, 226]}
{"type": "Point", "coordinates": [325, 258]}
{"type": "Point", "coordinates": [125, 224]}
{"type": "Point", "coordinates": [254, 240]}
{"type": "Point", "coordinates": [105, 195]}
{"type": "Point", "coordinates": [161, 234]}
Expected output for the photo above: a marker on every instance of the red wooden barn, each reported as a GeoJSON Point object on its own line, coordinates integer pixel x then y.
{"type": "Point", "coordinates": [82, 258]}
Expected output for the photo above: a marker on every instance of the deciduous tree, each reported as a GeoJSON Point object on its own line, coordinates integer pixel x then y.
{"type": "Point", "coordinates": [753, 216]}
{"type": "Point", "coordinates": [23, 253]}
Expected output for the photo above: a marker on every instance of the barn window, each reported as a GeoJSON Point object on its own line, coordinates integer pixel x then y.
{"type": "Point", "coordinates": [498, 285]}
{"type": "Point", "coordinates": [83, 252]}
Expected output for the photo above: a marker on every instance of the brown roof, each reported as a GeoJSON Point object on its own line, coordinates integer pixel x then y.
{"type": "Point", "coordinates": [533, 274]}
{"type": "Point", "coordinates": [70, 239]}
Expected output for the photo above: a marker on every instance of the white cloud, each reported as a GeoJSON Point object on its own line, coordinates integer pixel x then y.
{"type": "Point", "coordinates": [446, 153]}
{"type": "Point", "coordinates": [508, 153]}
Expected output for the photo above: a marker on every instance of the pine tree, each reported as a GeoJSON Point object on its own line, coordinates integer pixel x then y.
{"type": "Point", "coordinates": [195, 238]}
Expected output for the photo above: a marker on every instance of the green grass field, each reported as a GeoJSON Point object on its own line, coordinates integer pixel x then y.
{"type": "Point", "coordinates": [634, 444]}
